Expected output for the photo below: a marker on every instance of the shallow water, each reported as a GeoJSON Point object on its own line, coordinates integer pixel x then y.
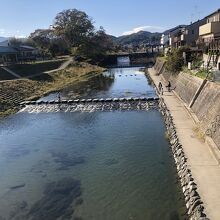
{"type": "Point", "coordinates": [114, 83]}
{"type": "Point", "coordinates": [99, 165]}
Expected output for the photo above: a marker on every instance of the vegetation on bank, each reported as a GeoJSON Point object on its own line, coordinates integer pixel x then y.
{"type": "Point", "coordinates": [175, 63]}
{"type": "Point", "coordinates": [73, 32]}
{"type": "Point", "coordinates": [14, 91]}
{"type": "Point", "coordinates": [175, 60]}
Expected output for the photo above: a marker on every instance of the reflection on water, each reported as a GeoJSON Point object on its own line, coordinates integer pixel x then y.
{"type": "Point", "coordinates": [123, 61]}
{"type": "Point", "coordinates": [89, 166]}
{"type": "Point", "coordinates": [114, 83]}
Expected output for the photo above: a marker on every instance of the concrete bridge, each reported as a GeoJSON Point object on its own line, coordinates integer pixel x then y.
{"type": "Point", "coordinates": [136, 58]}
{"type": "Point", "coordinates": [90, 105]}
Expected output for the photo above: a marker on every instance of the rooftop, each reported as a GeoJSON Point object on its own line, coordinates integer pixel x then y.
{"type": "Point", "coordinates": [7, 50]}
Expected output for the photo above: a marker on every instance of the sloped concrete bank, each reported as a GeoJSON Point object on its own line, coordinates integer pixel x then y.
{"type": "Point", "coordinates": [200, 96]}
{"type": "Point", "coordinates": [193, 201]}
{"type": "Point", "coordinates": [194, 204]}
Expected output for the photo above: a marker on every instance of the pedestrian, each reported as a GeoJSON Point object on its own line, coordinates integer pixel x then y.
{"type": "Point", "coordinates": [169, 86]}
{"type": "Point", "coordinates": [59, 97]}
{"type": "Point", "coordinates": [160, 86]}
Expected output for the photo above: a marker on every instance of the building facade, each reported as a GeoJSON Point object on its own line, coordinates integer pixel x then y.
{"type": "Point", "coordinates": [210, 30]}
{"type": "Point", "coordinates": [175, 36]}
{"type": "Point", "coordinates": [8, 55]}
{"type": "Point", "coordinates": [190, 34]}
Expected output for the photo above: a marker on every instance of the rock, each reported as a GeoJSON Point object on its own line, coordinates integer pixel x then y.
{"type": "Point", "coordinates": [23, 205]}
{"type": "Point", "coordinates": [192, 199]}
{"type": "Point", "coordinates": [17, 186]}
{"type": "Point", "coordinates": [57, 200]}
{"type": "Point", "coordinates": [66, 161]}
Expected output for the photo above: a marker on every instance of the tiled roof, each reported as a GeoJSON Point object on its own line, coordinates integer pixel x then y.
{"type": "Point", "coordinates": [26, 47]}
{"type": "Point", "coordinates": [217, 11]}
{"type": "Point", "coordinates": [7, 50]}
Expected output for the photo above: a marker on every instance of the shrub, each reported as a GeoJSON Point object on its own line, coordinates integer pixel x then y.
{"type": "Point", "coordinates": [175, 61]}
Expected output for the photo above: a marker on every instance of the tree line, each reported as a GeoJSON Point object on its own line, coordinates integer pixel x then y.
{"type": "Point", "coordinates": [72, 32]}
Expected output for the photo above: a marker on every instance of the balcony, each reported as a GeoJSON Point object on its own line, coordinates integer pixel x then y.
{"type": "Point", "coordinates": [209, 29]}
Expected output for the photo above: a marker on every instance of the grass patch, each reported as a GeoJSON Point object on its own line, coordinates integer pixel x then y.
{"type": "Point", "coordinates": [4, 75]}
{"type": "Point", "coordinates": [35, 68]}
{"type": "Point", "coordinates": [199, 73]}
{"type": "Point", "coordinates": [14, 91]}
{"type": "Point", "coordinates": [199, 134]}
{"type": "Point", "coordinates": [162, 58]}
{"type": "Point", "coordinates": [202, 74]}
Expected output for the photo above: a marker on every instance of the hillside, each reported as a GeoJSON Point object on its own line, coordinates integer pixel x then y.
{"type": "Point", "coordinates": [142, 37]}
{"type": "Point", "coordinates": [3, 39]}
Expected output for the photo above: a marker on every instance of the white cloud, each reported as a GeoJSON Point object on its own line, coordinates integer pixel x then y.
{"type": "Point", "coordinates": [145, 28]}
{"type": "Point", "coordinates": [7, 33]}
{"type": "Point", "coordinates": [2, 31]}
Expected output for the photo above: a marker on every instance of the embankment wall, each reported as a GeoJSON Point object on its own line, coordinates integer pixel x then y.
{"type": "Point", "coordinates": [207, 110]}
{"type": "Point", "coordinates": [206, 102]}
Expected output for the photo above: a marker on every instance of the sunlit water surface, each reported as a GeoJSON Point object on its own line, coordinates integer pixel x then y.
{"type": "Point", "coordinates": [101, 165]}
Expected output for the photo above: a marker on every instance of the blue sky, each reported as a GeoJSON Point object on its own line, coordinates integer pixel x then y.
{"type": "Point", "coordinates": [21, 17]}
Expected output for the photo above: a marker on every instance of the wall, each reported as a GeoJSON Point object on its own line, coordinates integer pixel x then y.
{"type": "Point", "coordinates": [207, 109]}
{"type": "Point", "coordinates": [206, 106]}
{"type": "Point", "coordinates": [159, 65]}
{"type": "Point", "coordinates": [193, 32]}
{"type": "Point", "coordinates": [186, 86]}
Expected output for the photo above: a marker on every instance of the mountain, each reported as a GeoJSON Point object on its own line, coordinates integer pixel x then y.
{"type": "Point", "coordinates": [3, 39]}
{"type": "Point", "coordinates": [141, 37]}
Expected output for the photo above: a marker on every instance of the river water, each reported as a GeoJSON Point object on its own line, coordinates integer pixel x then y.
{"type": "Point", "coordinates": [113, 165]}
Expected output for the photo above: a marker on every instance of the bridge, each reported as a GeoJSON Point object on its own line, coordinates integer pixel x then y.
{"type": "Point", "coordinates": [91, 105]}
{"type": "Point", "coordinates": [136, 58]}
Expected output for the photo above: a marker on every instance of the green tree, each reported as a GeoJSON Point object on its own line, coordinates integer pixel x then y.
{"type": "Point", "coordinates": [97, 45]}
{"type": "Point", "coordinates": [42, 37]}
{"type": "Point", "coordinates": [175, 61]}
{"type": "Point", "coordinates": [15, 42]}
{"type": "Point", "coordinates": [74, 26]}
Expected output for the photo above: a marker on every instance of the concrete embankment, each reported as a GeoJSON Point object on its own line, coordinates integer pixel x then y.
{"type": "Point", "coordinates": [200, 96]}
{"type": "Point", "coordinates": [200, 160]}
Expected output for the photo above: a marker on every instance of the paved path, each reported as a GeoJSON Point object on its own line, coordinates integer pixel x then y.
{"type": "Point", "coordinates": [204, 165]}
{"type": "Point", "coordinates": [63, 66]}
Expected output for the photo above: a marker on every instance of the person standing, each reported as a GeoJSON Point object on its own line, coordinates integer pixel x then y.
{"type": "Point", "coordinates": [169, 86]}
{"type": "Point", "coordinates": [160, 86]}
{"type": "Point", "coordinates": [59, 97]}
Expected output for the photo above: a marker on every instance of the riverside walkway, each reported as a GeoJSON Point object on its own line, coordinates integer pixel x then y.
{"type": "Point", "coordinates": [204, 164]}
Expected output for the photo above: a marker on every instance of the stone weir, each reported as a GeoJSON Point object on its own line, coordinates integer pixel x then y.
{"type": "Point", "coordinates": [90, 105]}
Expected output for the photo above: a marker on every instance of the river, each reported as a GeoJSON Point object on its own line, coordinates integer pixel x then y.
{"type": "Point", "coordinates": [113, 165]}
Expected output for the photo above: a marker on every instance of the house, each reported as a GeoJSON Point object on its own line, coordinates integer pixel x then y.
{"type": "Point", "coordinates": [164, 41]}
{"type": "Point", "coordinates": [210, 30]}
{"type": "Point", "coordinates": [13, 54]}
{"type": "Point", "coordinates": [26, 53]}
{"type": "Point", "coordinates": [8, 55]}
{"type": "Point", "coordinates": [209, 38]}
{"type": "Point", "coordinates": [190, 33]}
{"type": "Point", "coordinates": [4, 43]}
{"type": "Point", "coordinates": [175, 36]}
